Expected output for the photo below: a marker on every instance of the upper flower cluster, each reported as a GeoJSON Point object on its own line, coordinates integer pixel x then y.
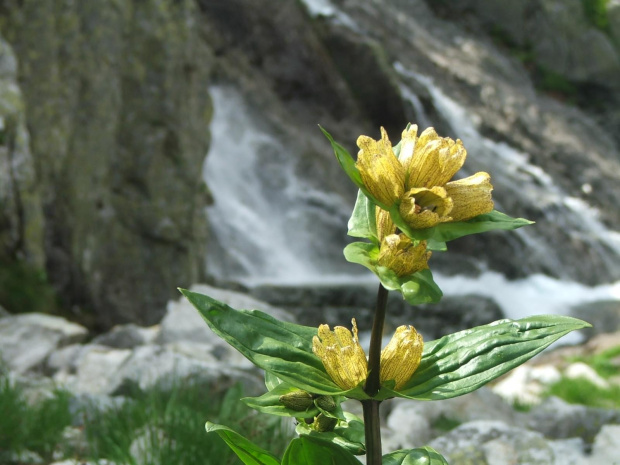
{"type": "Point", "coordinates": [418, 181]}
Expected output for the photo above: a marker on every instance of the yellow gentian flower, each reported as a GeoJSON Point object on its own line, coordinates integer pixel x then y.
{"type": "Point", "coordinates": [419, 180]}
{"type": "Point", "coordinates": [398, 253]}
{"type": "Point", "coordinates": [381, 172]}
{"type": "Point", "coordinates": [402, 356]}
{"type": "Point", "coordinates": [345, 360]}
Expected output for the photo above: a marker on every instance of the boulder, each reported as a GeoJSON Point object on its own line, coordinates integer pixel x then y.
{"type": "Point", "coordinates": [557, 419]}
{"type": "Point", "coordinates": [127, 336]}
{"type": "Point", "coordinates": [605, 448]}
{"type": "Point", "coordinates": [119, 132]}
{"type": "Point", "coordinates": [27, 340]}
{"type": "Point", "coordinates": [488, 442]}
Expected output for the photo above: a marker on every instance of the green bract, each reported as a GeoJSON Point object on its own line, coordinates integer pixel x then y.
{"type": "Point", "coordinates": [451, 366]}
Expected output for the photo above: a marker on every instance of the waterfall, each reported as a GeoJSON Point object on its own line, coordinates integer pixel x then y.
{"type": "Point", "coordinates": [267, 225]}
{"type": "Point", "coordinates": [569, 216]}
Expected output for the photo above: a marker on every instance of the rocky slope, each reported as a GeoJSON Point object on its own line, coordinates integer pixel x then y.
{"type": "Point", "coordinates": [481, 427]}
{"type": "Point", "coordinates": [107, 112]}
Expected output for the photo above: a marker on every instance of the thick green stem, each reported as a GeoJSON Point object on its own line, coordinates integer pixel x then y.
{"type": "Point", "coordinates": [372, 426]}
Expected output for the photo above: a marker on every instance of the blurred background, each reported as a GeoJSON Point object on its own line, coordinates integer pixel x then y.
{"type": "Point", "coordinates": [155, 144]}
{"type": "Point", "coordinates": [147, 145]}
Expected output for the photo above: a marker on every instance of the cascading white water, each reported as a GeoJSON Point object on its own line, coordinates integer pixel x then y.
{"type": "Point", "coordinates": [512, 171]}
{"type": "Point", "coordinates": [266, 223]}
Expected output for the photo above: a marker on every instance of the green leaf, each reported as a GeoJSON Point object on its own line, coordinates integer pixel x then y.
{"type": "Point", "coordinates": [349, 435]}
{"type": "Point", "coordinates": [310, 450]}
{"type": "Point", "coordinates": [420, 456]}
{"type": "Point", "coordinates": [363, 221]}
{"type": "Point", "coordinates": [416, 288]}
{"type": "Point", "coordinates": [270, 403]}
{"type": "Point", "coordinates": [271, 381]}
{"type": "Point", "coordinates": [445, 232]}
{"type": "Point", "coordinates": [463, 362]}
{"type": "Point", "coordinates": [248, 452]}
{"type": "Point", "coordinates": [284, 349]}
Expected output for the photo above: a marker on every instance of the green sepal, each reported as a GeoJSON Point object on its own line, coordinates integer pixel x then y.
{"type": "Point", "coordinates": [336, 413]}
{"type": "Point", "coordinates": [363, 221]}
{"type": "Point", "coordinates": [270, 403]}
{"type": "Point", "coordinates": [312, 450]}
{"type": "Point", "coordinates": [248, 452]}
{"type": "Point", "coordinates": [420, 456]}
{"type": "Point", "coordinates": [348, 434]}
{"type": "Point", "coordinates": [494, 220]}
{"type": "Point", "coordinates": [462, 362]}
{"type": "Point", "coordinates": [416, 288]}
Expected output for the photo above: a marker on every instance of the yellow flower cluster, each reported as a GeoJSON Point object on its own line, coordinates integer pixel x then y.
{"type": "Point", "coordinates": [345, 360]}
{"type": "Point", "coordinates": [418, 183]}
{"type": "Point", "coordinates": [419, 180]}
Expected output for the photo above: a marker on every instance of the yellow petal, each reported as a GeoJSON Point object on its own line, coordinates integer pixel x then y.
{"type": "Point", "coordinates": [471, 196]}
{"type": "Point", "coordinates": [341, 354]}
{"type": "Point", "coordinates": [399, 254]}
{"type": "Point", "coordinates": [435, 160]}
{"type": "Point", "coordinates": [407, 146]}
{"type": "Point", "coordinates": [381, 172]}
{"type": "Point", "coordinates": [424, 208]}
{"type": "Point", "coordinates": [385, 225]}
{"type": "Point", "coordinates": [402, 356]}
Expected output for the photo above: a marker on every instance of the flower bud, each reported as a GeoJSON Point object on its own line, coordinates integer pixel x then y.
{"type": "Point", "coordinates": [323, 423]}
{"type": "Point", "coordinates": [326, 403]}
{"type": "Point", "coordinates": [297, 400]}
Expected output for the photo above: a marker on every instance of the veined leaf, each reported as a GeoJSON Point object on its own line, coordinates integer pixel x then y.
{"type": "Point", "coordinates": [462, 362]}
{"type": "Point", "coordinates": [419, 456]}
{"type": "Point", "coordinates": [284, 349]}
{"type": "Point", "coordinates": [445, 232]}
{"type": "Point", "coordinates": [248, 452]}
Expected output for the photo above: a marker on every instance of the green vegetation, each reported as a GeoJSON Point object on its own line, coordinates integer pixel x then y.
{"type": "Point", "coordinates": [445, 423]}
{"type": "Point", "coordinates": [24, 288]}
{"type": "Point", "coordinates": [582, 391]}
{"type": "Point", "coordinates": [36, 428]}
{"type": "Point", "coordinates": [165, 427]}
{"type": "Point", "coordinates": [596, 12]}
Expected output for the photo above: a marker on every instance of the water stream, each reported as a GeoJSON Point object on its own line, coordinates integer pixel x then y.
{"type": "Point", "coordinates": [260, 202]}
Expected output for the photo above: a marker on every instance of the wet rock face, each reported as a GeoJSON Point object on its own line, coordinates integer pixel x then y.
{"type": "Point", "coordinates": [118, 116]}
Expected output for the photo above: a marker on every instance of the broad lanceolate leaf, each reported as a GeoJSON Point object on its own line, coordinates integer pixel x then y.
{"type": "Point", "coordinates": [416, 288]}
{"type": "Point", "coordinates": [310, 450]}
{"type": "Point", "coordinates": [420, 456]}
{"type": "Point", "coordinates": [488, 222]}
{"type": "Point", "coordinates": [248, 452]}
{"type": "Point", "coordinates": [284, 349]}
{"type": "Point", "coordinates": [363, 221]}
{"type": "Point", "coordinates": [462, 362]}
